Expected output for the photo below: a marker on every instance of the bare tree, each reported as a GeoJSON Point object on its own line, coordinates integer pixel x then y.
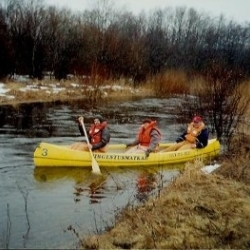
{"type": "Point", "coordinates": [220, 98]}
{"type": "Point", "coordinates": [6, 58]}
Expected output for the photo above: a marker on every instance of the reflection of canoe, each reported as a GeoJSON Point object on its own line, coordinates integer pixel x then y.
{"type": "Point", "coordinates": [51, 174]}
{"type": "Point", "coordinates": [50, 155]}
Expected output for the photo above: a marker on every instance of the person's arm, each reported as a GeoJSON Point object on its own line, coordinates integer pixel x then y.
{"type": "Point", "coordinates": [104, 140]}
{"type": "Point", "coordinates": [181, 137]}
{"type": "Point", "coordinates": [135, 142]}
{"type": "Point", "coordinates": [80, 119]}
{"type": "Point", "coordinates": [82, 132]}
{"type": "Point", "coordinates": [154, 141]}
{"type": "Point", "coordinates": [202, 139]}
{"type": "Point", "coordinates": [81, 129]}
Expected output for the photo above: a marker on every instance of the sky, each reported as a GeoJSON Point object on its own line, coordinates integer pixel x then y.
{"type": "Point", "coordinates": [238, 10]}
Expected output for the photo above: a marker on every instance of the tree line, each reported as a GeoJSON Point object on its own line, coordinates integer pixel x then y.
{"type": "Point", "coordinates": [36, 39]}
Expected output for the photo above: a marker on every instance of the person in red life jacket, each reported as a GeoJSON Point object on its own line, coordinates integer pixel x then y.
{"type": "Point", "coordinates": [196, 136]}
{"type": "Point", "coordinates": [147, 140]}
{"type": "Point", "coordinates": [98, 135]}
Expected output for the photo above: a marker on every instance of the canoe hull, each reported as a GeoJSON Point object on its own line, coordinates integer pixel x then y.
{"type": "Point", "coordinates": [50, 155]}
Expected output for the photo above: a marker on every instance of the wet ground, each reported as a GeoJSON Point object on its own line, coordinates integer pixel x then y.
{"type": "Point", "coordinates": [52, 208]}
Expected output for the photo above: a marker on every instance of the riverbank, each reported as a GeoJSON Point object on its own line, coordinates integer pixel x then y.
{"type": "Point", "coordinates": [13, 93]}
{"type": "Point", "coordinates": [197, 210]}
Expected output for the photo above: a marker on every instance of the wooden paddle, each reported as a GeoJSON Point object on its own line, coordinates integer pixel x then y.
{"type": "Point", "coordinates": [95, 166]}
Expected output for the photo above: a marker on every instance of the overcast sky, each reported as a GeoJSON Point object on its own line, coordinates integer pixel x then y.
{"type": "Point", "coordinates": [238, 10]}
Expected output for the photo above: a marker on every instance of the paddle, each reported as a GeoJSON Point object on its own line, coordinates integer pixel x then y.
{"type": "Point", "coordinates": [95, 166]}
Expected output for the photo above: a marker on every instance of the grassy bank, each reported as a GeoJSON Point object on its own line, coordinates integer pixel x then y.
{"type": "Point", "coordinates": [197, 210]}
{"type": "Point", "coordinates": [68, 90]}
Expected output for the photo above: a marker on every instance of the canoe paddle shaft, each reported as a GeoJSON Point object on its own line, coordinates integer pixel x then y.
{"type": "Point", "coordinates": [95, 166]}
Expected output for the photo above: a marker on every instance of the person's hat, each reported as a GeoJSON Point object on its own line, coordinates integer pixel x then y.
{"type": "Point", "coordinates": [197, 119]}
{"type": "Point", "coordinates": [99, 117]}
{"type": "Point", "coordinates": [146, 121]}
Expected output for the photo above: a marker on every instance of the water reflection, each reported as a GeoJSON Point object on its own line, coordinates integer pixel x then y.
{"type": "Point", "coordinates": [26, 119]}
{"type": "Point", "coordinates": [84, 198]}
{"type": "Point", "coordinates": [147, 182]}
{"type": "Point", "coordinates": [79, 175]}
{"type": "Point", "coordinates": [95, 191]}
{"type": "Point", "coordinates": [59, 119]}
{"type": "Point", "coordinates": [86, 183]}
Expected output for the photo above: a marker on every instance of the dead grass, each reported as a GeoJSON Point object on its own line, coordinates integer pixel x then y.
{"type": "Point", "coordinates": [197, 210]}
{"type": "Point", "coordinates": [46, 91]}
{"type": "Point", "coordinates": [164, 84]}
{"type": "Point", "coordinates": [236, 164]}
{"type": "Point", "coordinates": [170, 82]}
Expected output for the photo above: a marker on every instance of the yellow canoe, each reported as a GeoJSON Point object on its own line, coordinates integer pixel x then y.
{"type": "Point", "coordinates": [50, 155]}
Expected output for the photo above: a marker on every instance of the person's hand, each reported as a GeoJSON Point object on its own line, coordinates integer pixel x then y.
{"type": "Point", "coordinates": [90, 146]}
{"type": "Point", "coordinates": [147, 153]}
{"type": "Point", "coordinates": [80, 119]}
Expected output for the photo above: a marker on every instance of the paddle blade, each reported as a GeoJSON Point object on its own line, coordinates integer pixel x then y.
{"type": "Point", "coordinates": [95, 166]}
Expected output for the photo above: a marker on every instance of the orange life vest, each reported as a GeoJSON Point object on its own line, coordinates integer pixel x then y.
{"type": "Point", "coordinates": [144, 134]}
{"type": "Point", "coordinates": [95, 132]}
{"type": "Point", "coordinates": [193, 132]}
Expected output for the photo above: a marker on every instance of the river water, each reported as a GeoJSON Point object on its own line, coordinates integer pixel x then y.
{"type": "Point", "coordinates": [54, 208]}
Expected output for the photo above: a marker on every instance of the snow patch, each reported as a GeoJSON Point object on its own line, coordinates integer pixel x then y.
{"type": "Point", "coordinates": [210, 168]}
{"type": "Point", "coordinates": [3, 90]}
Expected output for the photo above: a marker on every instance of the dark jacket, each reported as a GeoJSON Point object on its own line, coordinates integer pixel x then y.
{"type": "Point", "coordinates": [105, 137]}
{"type": "Point", "coordinates": [201, 140]}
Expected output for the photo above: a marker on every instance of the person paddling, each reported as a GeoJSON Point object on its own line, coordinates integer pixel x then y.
{"type": "Point", "coordinates": [98, 135]}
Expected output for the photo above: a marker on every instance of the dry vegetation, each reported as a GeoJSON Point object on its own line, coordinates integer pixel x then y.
{"type": "Point", "coordinates": [67, 90]}
{"type": "Point", "coordinates": [95, 88]}
{"type": "Point", "coordinates": [170, 82]}
{"type": "Point", "coordinates": [197, 210]}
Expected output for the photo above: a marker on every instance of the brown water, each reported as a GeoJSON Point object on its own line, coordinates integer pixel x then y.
{"type": "Point", "coordinates": [46, 208]}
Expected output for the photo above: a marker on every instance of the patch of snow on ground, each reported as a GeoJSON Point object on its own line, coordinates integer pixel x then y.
{"type": "Point", "coordinates": [53, 85]}
{"type": "Point", "coordinates": [116, 87]}
{"type": "Point", "coordinates": [28, 87]}
{"type": "Point", "coordinates": [74, 85]}
{"type": "Point", "coordinates": [10, 97]}
{"type": "Point", "coordinates": [57, 90]}
{"type": "Point", "coordinates": [3, 90]}
{"type": "Point", "coordinates": [210, 168]}
{"type": "Point", "coordinates": [21, 78]}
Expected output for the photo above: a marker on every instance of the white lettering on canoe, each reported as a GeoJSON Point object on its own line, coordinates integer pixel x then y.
{"type": "Point", "coordinates": [178, 153]}
{"type": "Point", "coordinates": [120, 157]}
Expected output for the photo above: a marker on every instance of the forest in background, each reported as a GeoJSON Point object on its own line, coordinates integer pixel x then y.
{"type": "Point", "coordinates": [37, 40]}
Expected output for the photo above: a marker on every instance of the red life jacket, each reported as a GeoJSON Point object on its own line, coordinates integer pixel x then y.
{"type": "Point", "coordinates": [95, 132]}
{"type": "Point", "coordinates": [144, 134]}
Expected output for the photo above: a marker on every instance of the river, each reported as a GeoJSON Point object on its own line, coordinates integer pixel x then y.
{"type": "Point", "coordinates": [54, 208]}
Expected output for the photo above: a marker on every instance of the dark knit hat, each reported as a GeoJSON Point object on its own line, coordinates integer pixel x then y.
{"type": "Point", "coordinates": [146, 121]}
{"type": "Point", "coordinates": [99, 117]}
